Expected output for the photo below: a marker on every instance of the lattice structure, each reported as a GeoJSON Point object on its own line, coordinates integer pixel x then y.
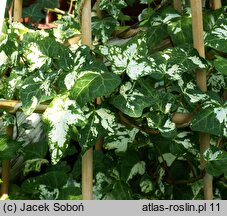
{"type": "Point", "coordinates": [178, 118]}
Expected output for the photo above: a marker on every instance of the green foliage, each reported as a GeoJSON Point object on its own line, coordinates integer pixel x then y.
{"type": "Point", "coordinates": [113, 7]}
{"type": "Point", "coordinates": [61, 115]}
{"type": "Point", "coordinates": [141, 84]}
{"type": "Point", "coordinates": [34, 11]}
{"type": "Point", "coordinates": [8, 148]}
{"type": "Point", "coordinates": [103, 28]}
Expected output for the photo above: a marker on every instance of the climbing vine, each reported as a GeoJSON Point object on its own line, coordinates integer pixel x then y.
{"type": "Point", "coordinates": [142, 81]}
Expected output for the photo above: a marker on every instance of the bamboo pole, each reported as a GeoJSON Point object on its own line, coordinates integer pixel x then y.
{"type": "Point", "coordinates": [14, 105]}
{"type": "Point", "coordinates": [6, 163]}
{"type": "Point", "coordinates": [5, 170]}
{"type": "Point", "coordinates": [17, 12]}
{"type": "Point", "coordinates": [99, 12]}
{"type": "Point", "coordinates": [87, 160]}
{"type": "Point", "coordinates": [216, 4]}
{"type": "Point", "coordinates": [2, 14]}
{"type": "Point", "coordinates": [177, 5]}
{"type": "Point", "coordinates": [198, 40]}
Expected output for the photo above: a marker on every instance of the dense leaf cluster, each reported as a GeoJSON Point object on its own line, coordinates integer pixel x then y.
{"type": "Point", "coordinates": [141, 84]}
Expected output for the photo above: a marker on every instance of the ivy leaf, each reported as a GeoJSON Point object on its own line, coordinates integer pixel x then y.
{"type": "Point", "coordinates": [34, 11]}
{"type": "Point", "coordinates": [8, 148]}
{"type": "Point", "coordinates": [121, 191]}
{"type": "Point", "coordinates": [13, 82]}
{"type": "Point", "coordinates": [60, 116]}
{"type": "Point", "coordinates": [57, 51]}
{"type": "Point", "coordinates": [103, 28]}
{"type": "Point", "coordinates": [113, 7]}
{"type": "Point", "coordinates": [129, 58]}
{"type": "Point", "coordinates": [4, 61]}
{"type": "Point", "coordinates": [216, 161]}
{"type": "Point", "coordinates": [93, 83]}
{"type": "Point", "coordinates": [180, 30]}
{"type": "Point", "coordinates": [146, 185]}
{"type": "Point", "coordinates": [145, 14]}
{"type": "Point", "coordinates": [146, 1]}
{"type": "Point", "coordinates": [156, 34]}
{"type": "Point", "coordinates": [212, 119]}
{"type": "Point", "coordinates": [36, 89]}
{"type": "Point", "coordinates": [34, 165]}
{"type": "Point", "coordinates": [120, 139]}
{"type": "Point", "coordinates": [138, 168]}
{"type": "Point", "coordinates": [46, 186]}
{"type": "Point", "coordinates": [93, 131]}
{"type": "Point", "coordinates": [171, 62]}
{"type": "Point", "coordinates": [103, 123]}
{"type": "Point", "coordinates": [216, 37]}
{"type": "Point", "coordinates": [35, 150]}
{"type": "Point", "coordinates": [220, 65]}
{"type": "Point", "coordinates": [35, 58]}
{"type": "Point", "coordinates": [131, 101]}
{"type": "Point", "coordinates": [156, 120]}
{"type": "Point", "coordinates": [67, 27]}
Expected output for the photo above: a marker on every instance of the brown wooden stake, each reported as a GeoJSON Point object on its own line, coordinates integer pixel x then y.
{"type": "Point", "coordinates": [5, 170]}
{"type": "Point", "coordinates": [99, 12]}
{"type": "Point", "coordinates": [17, 13]}
{"type": "Point", "coordinates": [6, 163]}
{"type": "Point", "coordinates": [216, 4]}
{"type": "Point", "coordinates": [2, 14]}
{"type": "Point", "coordinates": [197, 28]}
{"type": "Point", "coordinates": [13, 105]}
{"type": "Point", "coordinates": [177, 5]}
{"type": "Point", "coordinates": [87, 160]}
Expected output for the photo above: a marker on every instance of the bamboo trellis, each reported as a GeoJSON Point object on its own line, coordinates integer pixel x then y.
{"type": "Point", "coordinates": [178, 118]}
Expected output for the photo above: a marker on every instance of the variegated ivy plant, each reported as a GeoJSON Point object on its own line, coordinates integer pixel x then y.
{"type": "Point", "coordinates": [141, 85]}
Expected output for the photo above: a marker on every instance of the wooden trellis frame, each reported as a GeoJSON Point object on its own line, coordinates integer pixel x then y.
{"type": "Point", "coordinates": [178, 118]}
{"type": "Point", "coordinates": [201, 80]}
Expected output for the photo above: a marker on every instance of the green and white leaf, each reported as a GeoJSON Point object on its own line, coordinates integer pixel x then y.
{"type": "Point", "coordinates": [146, 185]}
{"type": "Point", "coordinates": [129, 58]}
{"type": "Point", "coordinates": [162, 122]}
{"type": "Point", "coordinates": [120, 139]}
{"type": "Point", "coordinates": [212, 119]}
{"type": "Point", "coordinates": [131, 101]}
{"type": "Point", "coordinates": [220, 65]}
{"type": "Point", "coordinates": [216, 82]}
{"type": "Point", "coordinates": [180, 30]}
{"type": "Point", "coordinates": [113, 7]}
{"type": "Point", "coordinates": [8, 148]}
{"type": "Point", "coordinates": [34, 165]}
{"type": "Point", "coordinates": [46, 185]}
{"type": "Point", "coordinates": [36, 89]}
{"type": "Point", "coordinates": [216, 37]}
{"type": "Point", "coordinates": [216, 161]}
{"type": "Point", "coordinates": [35, 58]}
{"type": "Point", "coordinates": [60, 116]}
{"type": "Point", "coordinates": [91, 84]}
{"type": "Point", "coordinates": [103, 28]}
{"type": "Point", "coordinates": [116, 135]}
{"type": "Point", "coordinates": [93, 131]}
{"type": "Point", "coordinates": [4, 61]}
{"type": "Point", "coordinates": [138, 168]}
